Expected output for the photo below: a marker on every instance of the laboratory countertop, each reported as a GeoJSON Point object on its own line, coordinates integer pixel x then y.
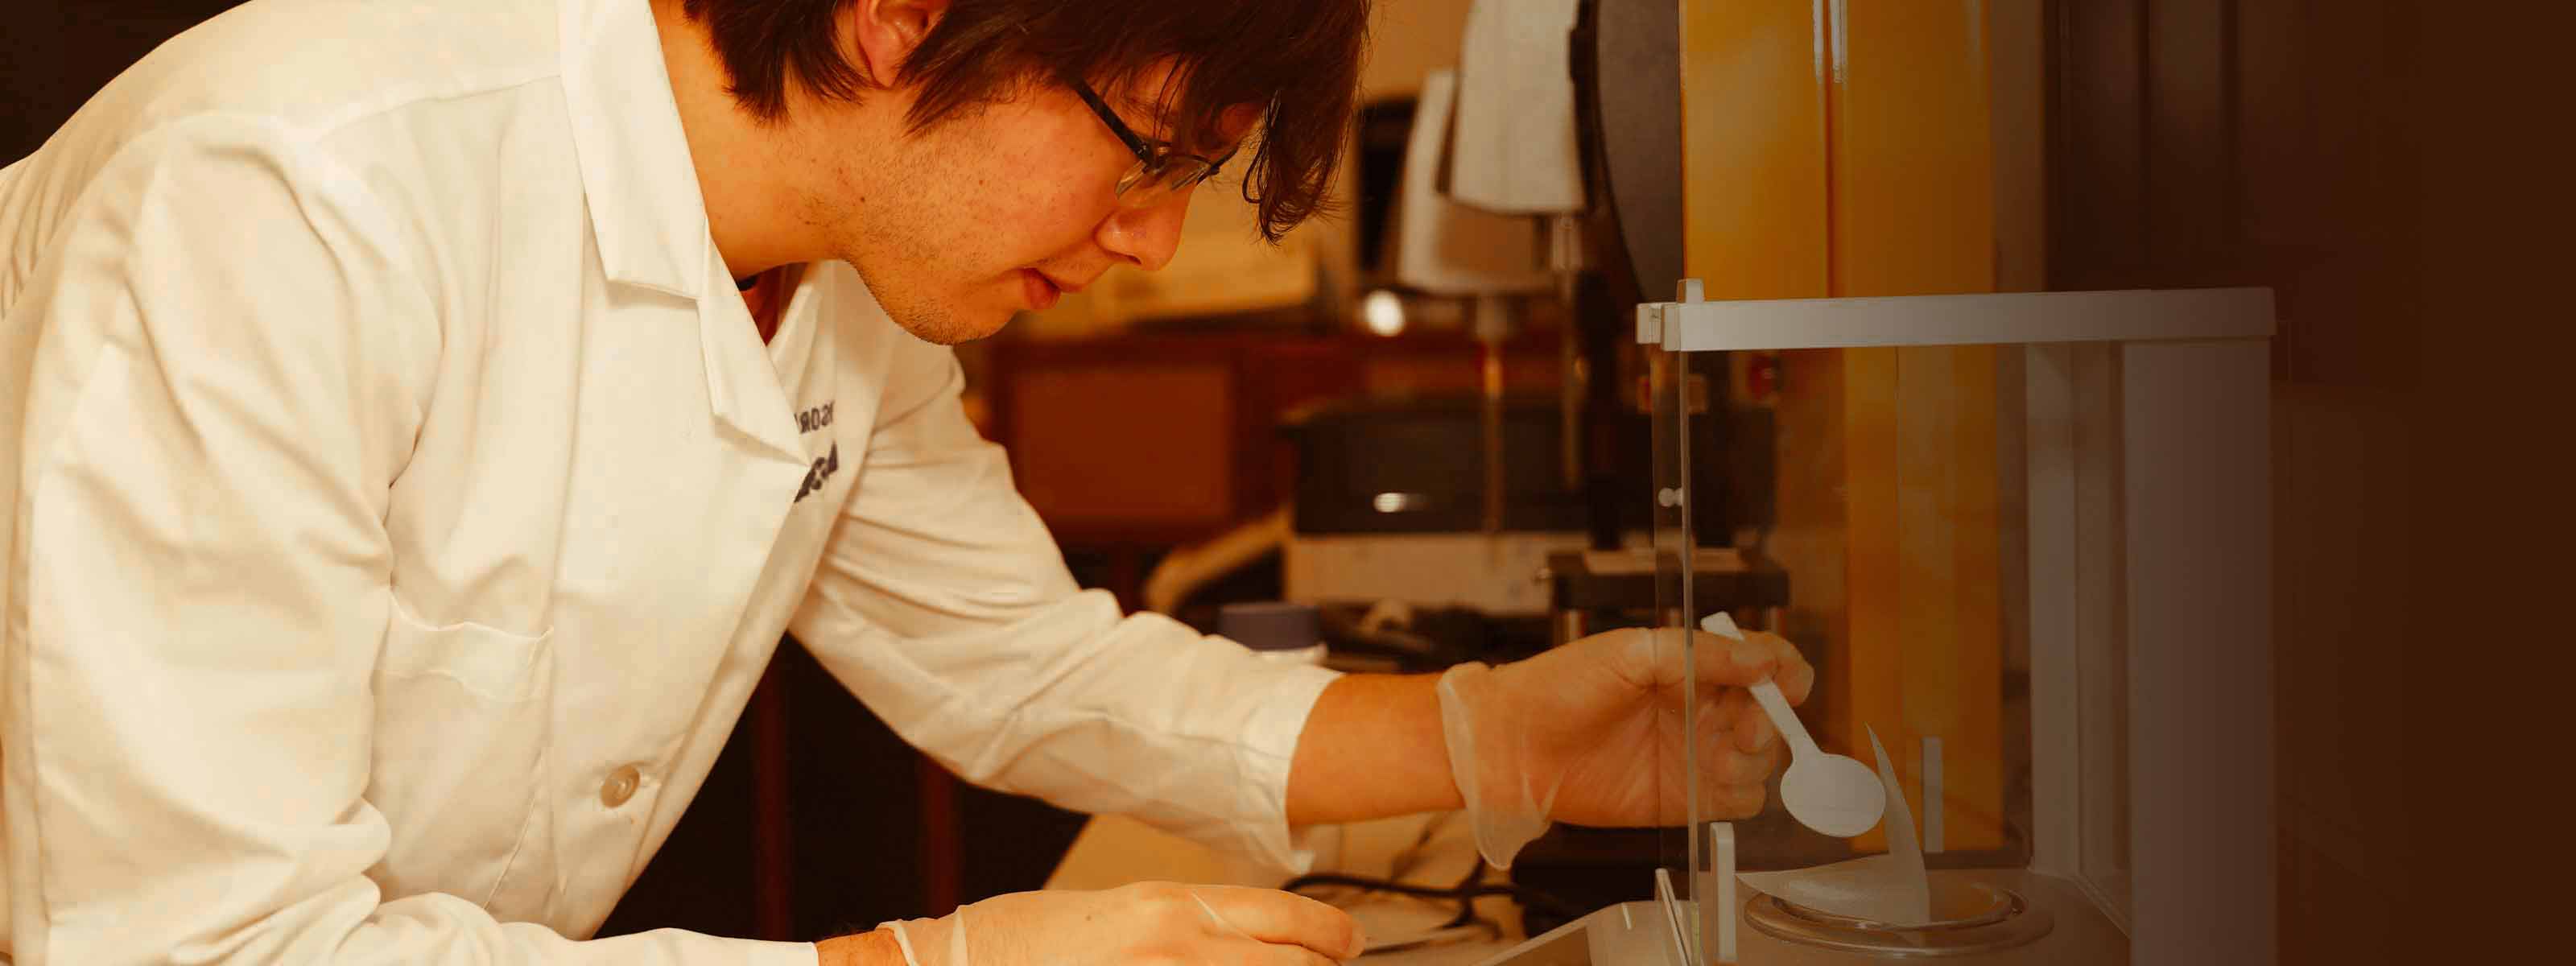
{"type": "Point", "coordinates": [1439, 849]}
{"type": "Point", "coordinates": [1432, 849]}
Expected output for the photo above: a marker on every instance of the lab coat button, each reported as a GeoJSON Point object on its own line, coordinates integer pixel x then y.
{"type": "Point", "coordinates": [620, 786]}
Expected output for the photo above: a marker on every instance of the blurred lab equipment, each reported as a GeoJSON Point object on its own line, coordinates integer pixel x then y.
{"type": "Point", "coordinates": [1276, 630]}
{"type": "Point", "coordinates": [1432, 227]}
{"type": "Point", "coordinates": [1383, 509]}
{"type": "Point", "coordinates": [1382, 514]}
{"type": "Point", "coordinates": [1494, 166]}
{"type": "Point", "coordinates": [1504, 201]}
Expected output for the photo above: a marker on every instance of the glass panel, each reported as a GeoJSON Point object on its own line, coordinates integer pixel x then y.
{"type": "Point", "coordinates": [2099, 650]}
{"type": "Point", "coordinates": [1907, 551]}
{"type": "Point", "coordinates": [1939, 656]}
{"type": "Point", "coordinates": [1669, 384]}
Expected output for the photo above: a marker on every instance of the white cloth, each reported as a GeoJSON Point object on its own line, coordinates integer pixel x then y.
{"type": "Point", "coordinates": [403, 507]}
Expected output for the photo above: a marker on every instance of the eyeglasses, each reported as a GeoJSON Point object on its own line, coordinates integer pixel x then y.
{"type": "Point", "coordinates": [1160, 172]}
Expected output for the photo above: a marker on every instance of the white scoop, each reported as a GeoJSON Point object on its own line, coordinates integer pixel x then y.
{"type": "Point", "coordinates": [1833, 794]}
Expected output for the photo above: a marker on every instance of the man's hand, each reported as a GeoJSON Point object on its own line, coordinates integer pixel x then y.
{"type": "Point", "coordinates": [1592, 732]}
{"type": "Point", "coordinates": [1151, 922]}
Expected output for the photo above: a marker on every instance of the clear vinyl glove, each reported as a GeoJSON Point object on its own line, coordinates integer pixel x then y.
{"type": "Point", "coordinates": [1591, 733]}
{"type": "Point", "coordinates": [1150, 922]}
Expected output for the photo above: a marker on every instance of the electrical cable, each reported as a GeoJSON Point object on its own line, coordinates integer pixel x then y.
{"type": "Point", "coordinates": [1467, 894]}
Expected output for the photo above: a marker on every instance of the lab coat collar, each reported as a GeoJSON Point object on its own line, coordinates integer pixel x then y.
{"type": "Point", "coordinates": [636, 173]}
{"type": "Point", "coordinates": [645, 210]}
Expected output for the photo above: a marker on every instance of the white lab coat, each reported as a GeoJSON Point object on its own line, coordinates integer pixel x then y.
{"type": "Point", "coordinates": [404, 508]}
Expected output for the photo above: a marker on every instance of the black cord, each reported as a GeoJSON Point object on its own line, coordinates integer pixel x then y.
{"type": "Point", "coordinates": [1467, 907]}
{"type": "Point", "coordinates": [1466, 892]}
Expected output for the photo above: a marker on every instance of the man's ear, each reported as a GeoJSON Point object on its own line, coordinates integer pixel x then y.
{"type": "Point", "coordinates": [883, 33]}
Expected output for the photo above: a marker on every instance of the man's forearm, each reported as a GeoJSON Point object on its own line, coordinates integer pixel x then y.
{"type": "Point", "coordinates": [1371, 748]}
{"type": "Point", "coordinates": [872, 948]}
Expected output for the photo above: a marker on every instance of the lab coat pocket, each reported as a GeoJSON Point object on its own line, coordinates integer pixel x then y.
{"type": "Point", "coordinates": [463, 720]}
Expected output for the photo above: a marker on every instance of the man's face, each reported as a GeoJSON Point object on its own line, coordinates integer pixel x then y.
{"type": "Point", "coordinates": [989, 212]}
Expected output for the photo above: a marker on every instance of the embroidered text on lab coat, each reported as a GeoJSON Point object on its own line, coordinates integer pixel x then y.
{"type": "Point", "coordinates": [824, 467]}
{"type": "Point", "coordinates": [815, 418]}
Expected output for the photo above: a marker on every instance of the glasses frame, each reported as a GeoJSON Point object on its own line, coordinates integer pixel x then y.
{"type": "Point", "coordinates": [1155, 160]}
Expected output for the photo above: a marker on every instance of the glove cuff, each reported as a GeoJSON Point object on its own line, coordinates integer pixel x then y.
{"type": "Point", "coordinates": [1487, 771]}
{"type": "Point", "coordinates": [935, 933]}
{"type": "Point", "coordinates": [901, 942]}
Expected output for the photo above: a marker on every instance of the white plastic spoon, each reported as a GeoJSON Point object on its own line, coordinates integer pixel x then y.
{"type": "Point", "coordinates": [1833, 794]}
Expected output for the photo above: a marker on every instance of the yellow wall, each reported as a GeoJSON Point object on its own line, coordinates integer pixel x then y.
{"type": "Point", "coordinates": [1846, 149]}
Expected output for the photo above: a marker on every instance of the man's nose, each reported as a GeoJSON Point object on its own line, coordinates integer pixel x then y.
{"type": "Point", "coordinates": [1146, 237]}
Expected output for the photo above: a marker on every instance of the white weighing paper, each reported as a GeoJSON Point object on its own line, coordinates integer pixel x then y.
{"type": "Point", "coordinates": [1891, 888]}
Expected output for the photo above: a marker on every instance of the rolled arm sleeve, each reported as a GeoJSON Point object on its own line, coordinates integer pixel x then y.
{"type": "Point", "coordinates": [943, 603]}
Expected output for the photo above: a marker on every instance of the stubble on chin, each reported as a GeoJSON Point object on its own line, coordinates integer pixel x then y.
{"type": "Point", "coordinates": [927, 318]}
{"type": "Point", "coordinates": [936, 326]}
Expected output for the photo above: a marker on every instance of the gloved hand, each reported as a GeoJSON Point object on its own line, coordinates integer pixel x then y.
{"type": "Point", "coordinates": [1151, 922]}
{"type": "Point", "coordinates": [1591, 733]}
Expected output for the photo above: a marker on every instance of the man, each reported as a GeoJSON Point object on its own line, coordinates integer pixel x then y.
{"type": "Point", "coordinates": [404, 503]}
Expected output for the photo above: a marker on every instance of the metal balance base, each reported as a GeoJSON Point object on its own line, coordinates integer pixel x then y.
{"type": "Point", "coordinates": [1989, 917]}
{"type": "Point", "coordinates": [1968, 917]}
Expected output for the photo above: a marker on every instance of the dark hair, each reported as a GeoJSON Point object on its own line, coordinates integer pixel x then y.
{"type": "Point", "coordinates": [1296, 59]}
